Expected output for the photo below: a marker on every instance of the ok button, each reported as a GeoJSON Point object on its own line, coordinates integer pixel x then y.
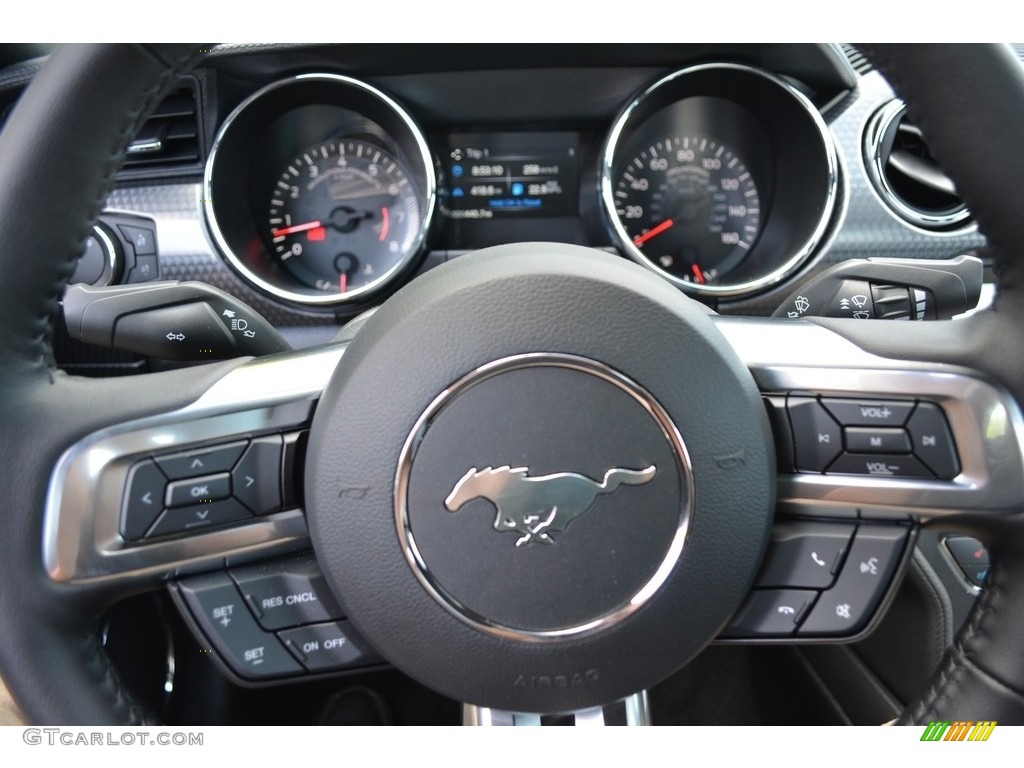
{"type": "Point", "coordinates": [197, 490]}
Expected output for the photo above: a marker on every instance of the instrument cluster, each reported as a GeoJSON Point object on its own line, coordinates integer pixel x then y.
{"type": "Point", "coordinates": [323, 190]}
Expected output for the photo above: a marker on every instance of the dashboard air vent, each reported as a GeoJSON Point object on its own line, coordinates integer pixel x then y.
{"type": "Point", "coordinates": [857, 60]}
{"type": "Point", "coordinates": [907, 177]}
{"type": "Point", "coordinates": [169, 139]}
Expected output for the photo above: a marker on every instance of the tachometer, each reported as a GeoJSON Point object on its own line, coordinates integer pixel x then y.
{"type": "Point", "coordinates": [344, 215]}
{"type": "Point", "coordinates": [690, 205]}
{"type": "Point", "coordinates": [320, 191]}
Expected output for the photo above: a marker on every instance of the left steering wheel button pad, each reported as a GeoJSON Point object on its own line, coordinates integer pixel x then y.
{"type": "Point", "coordinates": [187, 492]}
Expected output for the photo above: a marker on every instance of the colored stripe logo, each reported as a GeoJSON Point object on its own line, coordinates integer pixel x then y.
{"type": "Point", "coordinates": [960, 730]}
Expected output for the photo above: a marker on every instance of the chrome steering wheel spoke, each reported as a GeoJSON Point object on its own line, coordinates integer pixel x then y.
{"type": "Point", "coordinates": [84, 538]}
{"type": "Point", "coordinates": [807, 361]}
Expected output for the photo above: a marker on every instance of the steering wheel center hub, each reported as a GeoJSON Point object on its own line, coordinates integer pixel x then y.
{"type": "Point", "coordinates": [517, 473]}
{"type": "Point", "coordinates": [543, 496]}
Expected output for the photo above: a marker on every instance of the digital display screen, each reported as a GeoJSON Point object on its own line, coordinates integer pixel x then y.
{"type": "Point", "coordinates": [512, 175]}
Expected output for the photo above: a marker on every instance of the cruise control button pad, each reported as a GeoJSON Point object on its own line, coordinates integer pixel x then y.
{"type": "Point", "coordinates": [272, 621]}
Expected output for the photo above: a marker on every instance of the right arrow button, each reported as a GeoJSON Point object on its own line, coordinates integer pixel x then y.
{"type": "Point", "coordinates": [256, 480]}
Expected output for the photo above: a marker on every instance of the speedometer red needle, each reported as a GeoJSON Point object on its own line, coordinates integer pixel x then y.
{"type": "Point", "coordinates": [653, 232]}
{"type": "Point", "coordinates": [295, 228]}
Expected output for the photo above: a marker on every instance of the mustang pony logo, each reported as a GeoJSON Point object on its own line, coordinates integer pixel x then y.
{"type": "Point", "coordinates": [536, 507]}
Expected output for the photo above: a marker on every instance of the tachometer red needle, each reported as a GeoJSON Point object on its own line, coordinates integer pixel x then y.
{"type": "Point", "coordinates": [295, 228]}
{"type": "Point", "coordinates": [654, 232]}
{"type": "Point", "coordinates": [697, 274]}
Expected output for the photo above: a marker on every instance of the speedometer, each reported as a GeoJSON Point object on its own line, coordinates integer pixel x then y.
{"type": "Point", "coordinates": [690, 205]}
{"type": "Point", "coordinates": [721, 178]}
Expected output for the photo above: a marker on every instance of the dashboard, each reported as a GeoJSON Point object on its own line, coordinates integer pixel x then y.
{"type": "Point", "coordinates": [313, 182]}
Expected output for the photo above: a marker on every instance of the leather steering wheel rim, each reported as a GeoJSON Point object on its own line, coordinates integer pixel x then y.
{"type": "Point", "coordinates": [72, 126]}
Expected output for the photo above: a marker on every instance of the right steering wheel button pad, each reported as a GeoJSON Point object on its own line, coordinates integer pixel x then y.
{"type": "Point", "coordinates": [871, 438]}
{"type": "Point", "coordinates": [274, 619]}
{"type": "Point", "coordinates": [820, 580]}
{"type": "Point", "coordinates": [188, 492]}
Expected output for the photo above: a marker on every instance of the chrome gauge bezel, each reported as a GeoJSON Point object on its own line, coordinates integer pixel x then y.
{"type": "Point", "coordinates": [673, 90]}
{"type": "Point", "coordinates": [334, 90]}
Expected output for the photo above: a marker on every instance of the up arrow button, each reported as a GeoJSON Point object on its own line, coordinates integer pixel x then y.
{"type": "Point", "coordinates": [220, 458]}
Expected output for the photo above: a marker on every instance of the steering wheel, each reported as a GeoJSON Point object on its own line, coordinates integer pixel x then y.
{"type": "Point", "coordinates": [496, 357]}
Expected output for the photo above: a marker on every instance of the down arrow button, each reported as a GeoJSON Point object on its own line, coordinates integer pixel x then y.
{"type": "Point", "coordinates": [256, 479]}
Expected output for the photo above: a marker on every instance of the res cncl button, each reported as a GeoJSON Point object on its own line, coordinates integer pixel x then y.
{"type": "Point", "coordinates": [287, 593]}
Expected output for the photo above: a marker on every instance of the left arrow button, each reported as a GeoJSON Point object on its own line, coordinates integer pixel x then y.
{"type": "Point", "coordinates": [143, 499]}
